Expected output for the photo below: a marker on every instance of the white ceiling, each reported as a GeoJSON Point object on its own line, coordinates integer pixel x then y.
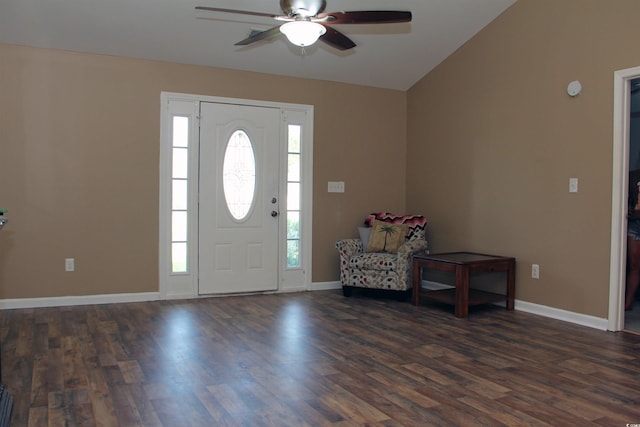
{"type": "Point", "coordinates": [391, 56]}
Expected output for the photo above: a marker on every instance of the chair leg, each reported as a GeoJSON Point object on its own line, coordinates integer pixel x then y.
{"type": "Point", "coordinates": [347, 291]}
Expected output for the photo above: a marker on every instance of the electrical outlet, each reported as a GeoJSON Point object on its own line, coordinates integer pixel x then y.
{"type": "Point", "coordinates": [69, 264]}
{"type": "Point", "coordinates": [535, 271]}
{"type": "Point", "coordinates": [573, 185]}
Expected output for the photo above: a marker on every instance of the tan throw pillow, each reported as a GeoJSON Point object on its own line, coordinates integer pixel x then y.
{"type": "Point", "coordinates": [386, 237]}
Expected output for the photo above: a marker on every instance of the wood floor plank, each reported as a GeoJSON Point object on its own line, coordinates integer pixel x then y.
{"type": "Point", "coordinates": [502, 413]}
{"type": "Point", "coordinates": [227, 397]}
{"type": "Point", "coordinates": [73, 370]}
{"type": "Point", "coordinates": [38, 416]}
{"type": "Point", "coordinates": [128, 413]}
{"type": "Point", "coordinates": [538, 409]}
{"type": "Point", "coordinates": [407, 395]}
{"type": "Point", "coordinates": [100, 396]}
{"type": "Point", "coordinates": [309, 414]}
{"type": "Point", "coordinates": [70, 407]}
{"type": "Point", "coordinates": [280, 384]}
{"type": "Point", "coordinates": [214, 408]}
{"type": "Point", "coordinates": [312, 359]}
{"type": "Point", "coordinates": [353, 408]}
{"type": "Point", "coordinates": [39, 385]}
{"type": "Point", "coordinates": [131, 372]}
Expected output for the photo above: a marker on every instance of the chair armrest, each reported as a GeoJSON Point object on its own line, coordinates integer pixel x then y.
{"type": "Point", "coordinates": [405, 260]}
{"type": "Point", "coordinates": [349, 247]}
{"type": "Point", "coordinates": [409, 248]}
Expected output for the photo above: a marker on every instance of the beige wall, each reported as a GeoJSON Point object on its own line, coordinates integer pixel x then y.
{"type": "Point", "coordinates": [79, 154]}
{"type": "Point", "coordinates": [493, 139]}
{"type": "Point", "coordinates": [489, 140]}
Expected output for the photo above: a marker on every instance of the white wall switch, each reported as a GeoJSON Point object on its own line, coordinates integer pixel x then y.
{"type": "Point", "coordinates": [69, 264]}
{"type": "Point", "coordinates": [573, 185]}
{"type": "Point", "coordinates": [335, 187]}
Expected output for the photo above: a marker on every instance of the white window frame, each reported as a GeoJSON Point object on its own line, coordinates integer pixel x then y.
{"type": "Point", "coordinates": [185, 285]}
{"type": "Point", "coordinates": [297, 278]}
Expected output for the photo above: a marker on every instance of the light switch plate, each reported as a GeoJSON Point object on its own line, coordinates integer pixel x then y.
{"type": "Point", "coordinates": [335, 187]}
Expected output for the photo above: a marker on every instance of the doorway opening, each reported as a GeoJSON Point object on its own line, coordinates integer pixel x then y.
{"type": "Point", "coordinates": [623, 160]}
{"type": "Point", "coordinates": [632, 315]}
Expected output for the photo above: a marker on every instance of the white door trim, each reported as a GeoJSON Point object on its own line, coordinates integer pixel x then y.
{"type": "Point", "coordinates": [185, 285]}
{"type": "Point", "coordinates": [619, 192]}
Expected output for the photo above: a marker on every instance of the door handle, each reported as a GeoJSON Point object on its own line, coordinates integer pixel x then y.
{"type": "Point", "coordinates": [274, 213]}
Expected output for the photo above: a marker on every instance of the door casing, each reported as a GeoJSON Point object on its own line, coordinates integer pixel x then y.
{"type": "Point", "coordinates": [620, 187]}
{"type": "Point", "coordinates": [185, 285]}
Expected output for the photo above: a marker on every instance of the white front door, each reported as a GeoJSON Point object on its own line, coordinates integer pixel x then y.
{"type": "Point", "coordinates": [238, 198]}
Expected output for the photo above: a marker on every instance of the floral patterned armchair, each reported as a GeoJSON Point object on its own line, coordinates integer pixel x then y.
{"type": "Point", "coordinates": [390, 270]}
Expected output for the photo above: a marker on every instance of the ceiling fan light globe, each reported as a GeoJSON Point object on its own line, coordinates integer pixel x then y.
{"type": "Point", "coordinates": [303, 33]}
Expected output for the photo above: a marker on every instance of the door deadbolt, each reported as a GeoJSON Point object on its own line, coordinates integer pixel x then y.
{"type": "Point", "coordinates": [274, 214]}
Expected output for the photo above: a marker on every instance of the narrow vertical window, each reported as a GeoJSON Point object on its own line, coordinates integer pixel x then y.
{"type": "Point", "coordinates": [293, 196]}
{"type": "Point", "coordinates": [179, 194]}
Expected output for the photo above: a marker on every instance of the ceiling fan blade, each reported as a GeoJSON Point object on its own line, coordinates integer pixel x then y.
{"type": "Point", "coordinates": [263, 35]}
{"type": "Point", "coordinates": [366, 17]}
{"type": "Point", "coordinates": [336, 39]}
{"type": "Point", "coordinates": [241, 12]}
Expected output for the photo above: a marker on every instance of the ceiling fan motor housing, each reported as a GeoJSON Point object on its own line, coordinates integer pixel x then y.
{"type": "Point", "coordinates": [303, 8]}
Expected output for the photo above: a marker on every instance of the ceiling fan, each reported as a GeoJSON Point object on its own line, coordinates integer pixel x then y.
{"type": "Point", "coordinates": [305, 22]}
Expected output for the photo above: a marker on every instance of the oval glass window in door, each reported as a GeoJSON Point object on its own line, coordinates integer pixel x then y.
{"type": "Point", "coordinates": [239, 175]}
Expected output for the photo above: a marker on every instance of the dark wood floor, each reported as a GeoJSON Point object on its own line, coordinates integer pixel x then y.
{"type": "Point", "coordinates": [312, 359]}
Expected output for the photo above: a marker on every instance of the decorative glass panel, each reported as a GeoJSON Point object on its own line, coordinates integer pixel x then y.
{"type": "Point", "coordinates": [293, 225]}
{"type": "Point", "coordinates": [179, 226]}
{"type": "Point", "coordinates": [179, 194]}
{"type": "Point", "coordinates": [180, 162]}
{"type": "Point", "coordinates": [239, 175]}
{"type": "Point", "coordinates": [293, 173]}
{"type": "Point", "coordinates": [293, 253]}
{"type": "Point", "coordinates": [293, 196]}
{"type": "Point", "coordinates": [180, 131]}
{"type": "Point", "coordinates": [179, 257]}
{"type": "Point", "coordinates": [294, 139]}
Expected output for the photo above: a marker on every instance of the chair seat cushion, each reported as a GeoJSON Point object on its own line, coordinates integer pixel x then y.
{"type": "Point", "coordinates": [374, 261]}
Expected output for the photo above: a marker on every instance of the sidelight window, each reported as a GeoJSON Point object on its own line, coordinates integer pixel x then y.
{"type": "Point", "coordinates": [179, 193]}
{"type": "Point", "coordinates": [293, 195]}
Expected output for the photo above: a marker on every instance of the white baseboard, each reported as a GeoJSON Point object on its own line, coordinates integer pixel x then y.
{"type": "Point", "coordinates": [7, 304]}
{"type": "Point", "coordinates": [14, 303]}
{"type": "Point", "coordinates": [325, 286]}
{"type": "Point", "coordinates": [291, 290]}
{"type": "Point", "coordinates": [528, 307]}
{"type": "Point", "coordinates": [541, 310]}
{"type": "Point", "coordinates": [564, 315]}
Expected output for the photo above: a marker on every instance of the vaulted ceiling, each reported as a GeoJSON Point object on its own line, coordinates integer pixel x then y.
{"type": "Point", "coordinates": [393, 56]}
